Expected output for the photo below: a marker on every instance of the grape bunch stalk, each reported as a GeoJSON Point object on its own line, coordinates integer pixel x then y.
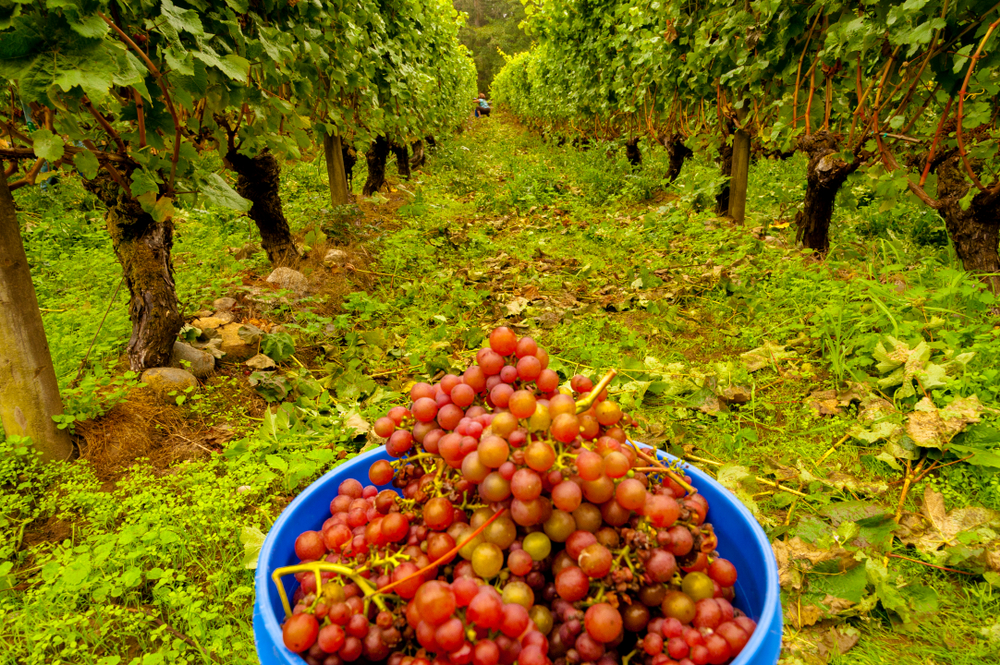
{"type": "Point", "coordinates": [525, 528]}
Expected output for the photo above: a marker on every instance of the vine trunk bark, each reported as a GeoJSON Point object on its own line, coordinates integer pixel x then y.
{"type": "Point", "coordinates": [376, 156]}
{"type": "Point", "coordinates": [402, 154]}
{"type": "Point", "coordinates": [143, 247]}
{"type": "Point", "coordinates": [825, 174]}
{"type": "Point", "coordinates": [258, 181]}
{"type": "Point", "coordinates": [419, 157]}
{"type": "Point", "coordinates": [677, 152]}
{"type": "Point", "coordinates": [632, 152]}
{"type": "Point", "coordinates": [975, 231]}
{"type": "Point", "coordinates": [726, 169]}
{"type": "Point", "coordinates": [29, 393]}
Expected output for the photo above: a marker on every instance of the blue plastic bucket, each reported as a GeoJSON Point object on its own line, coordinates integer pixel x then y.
{"type": "Point", "coordinates": [741, 540]}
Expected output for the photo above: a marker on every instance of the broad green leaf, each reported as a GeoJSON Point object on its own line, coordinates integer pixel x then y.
{"type": "Point", "coordinates": [163, 209]}
{"type": "Point", "coordinates": [276, 462]}
{"type": "Point", "coordinates": [87, 164]}
{"type": "Point", "coordinates": [233, 66]}
{"type": "Point", "coordinates": [182, 20]}
{"type": "Point", "coordinates": [48, 145]}
{"type": "Point", "coordinates": [253, 540]}
{"type": "Point", "coordinates": [93, 27]}
{"type": "Point", "coordinates": [143, 183]}
{"type": "Point", "coordinates": [218, 192]}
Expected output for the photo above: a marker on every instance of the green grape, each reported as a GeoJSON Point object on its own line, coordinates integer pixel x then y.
{"type": "Point", "coordinates": [519, 593]}
{"type": "Point", "coordinates": [542, 618]}
{"type": "Point", "coordinates": [487, 560]}
{"type": "Point", "coordinates": [559, 526]}
{"type": "Point", "coordinates": [537, 545]}
{"type": "Point", "coordinates": [470, 547]}
{"type": "Point", "coordinates": [502, 532]}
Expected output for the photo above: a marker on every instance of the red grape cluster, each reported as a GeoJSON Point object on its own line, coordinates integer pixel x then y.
{"type": "Point", "coordinates": [526, 529]}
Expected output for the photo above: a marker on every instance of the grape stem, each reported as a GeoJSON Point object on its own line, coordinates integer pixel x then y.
{"type": "Point", "coordinates": [316, 568]}
{"type": "Point", "coordinates": [670, 474]}
{"type": "Point", "coordinates": [588, 401]}
{"type": "Point", "coordinates": [447, 555]}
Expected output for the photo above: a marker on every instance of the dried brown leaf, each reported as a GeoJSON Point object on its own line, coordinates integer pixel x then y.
{"type": "Point", "coordinates": [795, 556]}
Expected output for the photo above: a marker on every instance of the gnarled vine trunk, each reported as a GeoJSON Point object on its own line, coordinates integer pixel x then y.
{"type": "Point", "coordinates": [29, 392]}
{"type": "Point", "coordinates": [350, 159]}
{"type": "Point", "coordinates": [632, 152]}
{"type": "Point", "coordinates": [419, 157]}
{"type": "Point", "coordinates": [677, 153]}
{"type": "Point", "coordinates": [726, 169]}
{"type": "Point", "coordinates": [974, 231]}
{"type": "Point", "coordinates": [259, 180]}
{"type": "Point", "coordinates": [143, 247]}
{"type": "Point", "coordinates": [825, 174]}
{"type": "Point", "coordinates": [376, 156]}
{"type": "Point", "coordinates": [402, 154]}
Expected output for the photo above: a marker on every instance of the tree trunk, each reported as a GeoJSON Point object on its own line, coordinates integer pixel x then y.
{"type": "Point", "coordinates": [726, 169]}
{"type": "Point", "coordinates": [29, 393]}
{"type": "Point", "coordinates": [335, 172]}
{"type": "Point", "coordinates": [402, 154]}
{"type": "Point", "coordinates": [825, 174]}
{"type": "Point", "coordinates": [974, 231]}
{"type": "Point", "coordinates": [740, 173]}
{"type": "Point", "coordinates": [677, 152]}
{"type": "Point", "coordinates": [259, 180]}
{"type": "Point", "coordinates": [143, 246]}
{"type": "Point", "coordinates": [350, 156]}
{"type": "Point", "coordinates": [632, 152]}
{"type": "Point", "coordinates": [419, 157]}
{"type": "Point", "coordinates": [376, 156]}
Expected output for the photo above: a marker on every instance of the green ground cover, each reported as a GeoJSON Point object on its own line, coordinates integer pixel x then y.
{"type": "Point", "coordinates": [810, 389]}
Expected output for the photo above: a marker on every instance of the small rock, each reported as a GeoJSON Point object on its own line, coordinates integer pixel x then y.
{"type": "Point", "coordinates": [164, 380]}
{"type": "Point", "coordinates": [224, 316]}
{"type": "Point", "coordinates": [223, 304]}
{"type": "Point", "coordinates": [335, 258]}
{"type": "Point", "coordinates": [202, 313]}
{"type": "Point", "coordinates": [211, 347]}
{"type": "Point", "coordinates": [289, 280]}
{"type": "Point", "coordinates": [207, 324]}
{"type": "Point", "coordinates": [202, 363]}
{"type": "Point", "coordinates": [261, 361]}
{"type": "Point", "coordinates": [232, 345]}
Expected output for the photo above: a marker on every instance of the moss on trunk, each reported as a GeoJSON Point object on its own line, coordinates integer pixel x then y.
{"type": "Point", "coordinates": [259, 181]}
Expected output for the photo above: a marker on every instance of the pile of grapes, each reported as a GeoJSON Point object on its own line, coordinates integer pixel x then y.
{"type": "Point", "coordinates": [526, 529]}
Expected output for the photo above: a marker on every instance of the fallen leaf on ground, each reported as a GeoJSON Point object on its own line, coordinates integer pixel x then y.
{"type": "Point", "coordinates": [940, 528]}
{"type": "Point", "coordinates": [764, 356]}
{"type": "Point", "coordinates": [795, 556]}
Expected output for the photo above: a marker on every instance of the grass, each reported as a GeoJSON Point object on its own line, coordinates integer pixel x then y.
{"type": "Point", "coordinates": [607, 266]}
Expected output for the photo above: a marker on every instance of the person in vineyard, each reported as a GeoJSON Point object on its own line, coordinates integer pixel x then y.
{"type": "Point", "coordinates": [482, 106]}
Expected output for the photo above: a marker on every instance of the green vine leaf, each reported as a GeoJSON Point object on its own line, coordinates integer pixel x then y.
{"type": "Point", "coordinates": [48, 145]}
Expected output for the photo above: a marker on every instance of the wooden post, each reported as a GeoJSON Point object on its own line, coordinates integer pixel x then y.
{"type": "Point", "coordinates": [29, 393]}
{"type": "Point", "coordinates": [741, 167]}
{"type": "Point", "coordinates": [335, 170]}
